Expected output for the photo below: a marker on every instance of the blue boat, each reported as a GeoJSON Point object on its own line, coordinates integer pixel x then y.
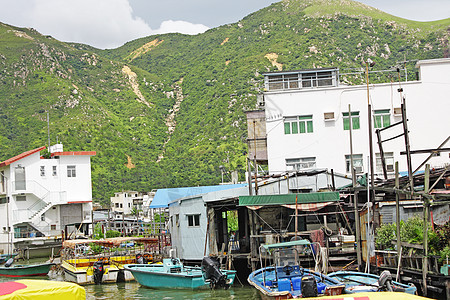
{"type": "Point", "coordinates": [286, 279]}
{"type": "Point", "coordinates": [173, 274]}
{"type": "Point", "coordinates": [356, 282]}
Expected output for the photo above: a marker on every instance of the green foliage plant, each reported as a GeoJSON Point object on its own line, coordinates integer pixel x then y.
{"type": "Point", "coordinates": [112, 233]}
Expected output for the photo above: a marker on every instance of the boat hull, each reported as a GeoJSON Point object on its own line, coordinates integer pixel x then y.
{"type": "Point", "coordinates": [154, 276]}
{"type": "Point", "coordinates": [265, 280]}
{"type": "Point", "coordinates": [358, 282]}
{"type": "Point", "coordinates": [85, 274]}
{"type": "Point", "coordinates": [26, 270]}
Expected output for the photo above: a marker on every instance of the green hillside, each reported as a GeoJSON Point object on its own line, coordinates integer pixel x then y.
{"type": "Point", "coordinates": [168, 110]}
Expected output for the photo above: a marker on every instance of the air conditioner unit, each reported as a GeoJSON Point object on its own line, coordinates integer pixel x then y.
{"type": "Point", "coordinates": [358, 170]}
{"type": "Point", "coordinates": [397, 111]}
{"type": "Point", "coordinates": [260, 100]}
{"type": "Point", "coordinates": [329, 116]}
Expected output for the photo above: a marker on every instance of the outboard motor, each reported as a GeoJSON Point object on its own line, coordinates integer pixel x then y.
{"type": "Point", "coordinates": [309, 286]}
{"type": "Point", "coordinates": [385, 281]}
{"type": "Point", "coordinates": [99, 269]}
{"type": "Point", "coordinates": [9, 262]}
{"type": "Point", "coordinates": [139, 259]}
{"type": "Point", "coordinates": [212, 274]}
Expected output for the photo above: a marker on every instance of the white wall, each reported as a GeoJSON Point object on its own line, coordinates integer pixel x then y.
{"type": "Point", "coordinates": [189, 241]}
{"type": "Point", "coordinates": [427, 111]}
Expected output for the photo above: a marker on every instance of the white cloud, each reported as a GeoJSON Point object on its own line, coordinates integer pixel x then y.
{"type": "Point", "coordinates": [99, 23]}
{"type": "Point", "coordinates": [181, 27]}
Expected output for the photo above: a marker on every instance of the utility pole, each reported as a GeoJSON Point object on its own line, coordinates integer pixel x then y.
{"type": "Point", "coordinates": [254, 157]}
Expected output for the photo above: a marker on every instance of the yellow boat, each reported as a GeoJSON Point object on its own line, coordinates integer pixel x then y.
{"type": "Point", "coordinates": [41, 290]}
{"type": "Point", "coordinates": [372, 296]}
{"type": "Point", "coordinates": [81, 270]}
{"type": "Point", "coordinates": [107, 268]}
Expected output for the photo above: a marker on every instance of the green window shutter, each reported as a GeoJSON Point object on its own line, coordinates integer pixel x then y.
{"type": "Point", "coordinates": [346, 123]}
{"type": "Point", "coordinates": [309, 125]}
{"type": "Point", "coordinates": [287, 128]}
{"type": "Point", "coordinates": [377, 121]}
{"type": "Point", "coordinates": [386, 120]}
{"type": "Point", "coordinates": [355, 122]}
{"type": "Point", "coordinates": [294, 127]}
{"type": "Point", "coordinates": [302, 127]}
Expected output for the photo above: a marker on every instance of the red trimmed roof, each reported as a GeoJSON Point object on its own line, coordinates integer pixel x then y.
{"type": "Point", "coordinates": [20, 156]}
{"type": "Point", "coordinates": [69, 153]}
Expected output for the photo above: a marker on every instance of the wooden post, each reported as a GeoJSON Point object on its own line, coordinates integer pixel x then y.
{"type": "Point", "coordinates": [296, 216]}
{"type": "Point", "coordinates": [426, 206]}
{"type": "Point", "coordinates": [408, 152]}
{"type": "Point", "coordinates": [358, 230]}
{"type": "Point", "coordinates": [251, 237]}
{"type": "Point", "coordinates": [397, 211]}
{"type": "Point", "coordinates": [249, 177]}
{"type": "Point", "coordinates": [254, 158]}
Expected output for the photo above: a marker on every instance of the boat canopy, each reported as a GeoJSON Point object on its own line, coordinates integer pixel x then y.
{"type": "Point", "coordinates": [287, 244]}
{"type": "Point", "coordinates": [288, 199]}
{"type": "Point", "coordinates": [110, 242]}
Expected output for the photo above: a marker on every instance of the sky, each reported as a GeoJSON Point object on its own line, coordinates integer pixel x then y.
{"type": "Point", "coordinates": [109, 24]}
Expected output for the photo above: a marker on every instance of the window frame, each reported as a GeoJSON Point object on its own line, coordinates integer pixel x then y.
{"type": "Point", "coordinates": [358, 162]}
{"type": "Point", "coordinates": [390, 162]}
{"type": "Point", "coordinates": [381, 118]}
{"type": "Point", "coordinates": [355, 120]}
{"type": "Point", "coordinates": [193, 220]}
{"type": "Point", "coordinates": [71, 171]}
{"type": "Point", "coordinates": [301, 163]}
{"type": "Point", "coordinates": [298, 124]}
{"type": "Point", "coordinates": [42, 171]}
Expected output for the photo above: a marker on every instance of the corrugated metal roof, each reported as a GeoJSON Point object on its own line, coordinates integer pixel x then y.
{"type": "Point", "coordinates": [20, 156]}
{"type": "Point", "coordinates": [164, 196]}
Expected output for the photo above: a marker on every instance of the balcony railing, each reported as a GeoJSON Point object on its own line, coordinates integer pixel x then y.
{"type": "Point", "coordinates": [29, 187]}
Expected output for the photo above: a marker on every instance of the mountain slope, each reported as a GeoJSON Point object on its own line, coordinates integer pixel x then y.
{"type": "Point", "coordinates": [168, 110]}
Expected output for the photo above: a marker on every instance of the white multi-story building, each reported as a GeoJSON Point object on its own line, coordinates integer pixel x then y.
{"type": "Point", "coordinates": [307, 119]}
{"type": "Point", "coordinates": [39, 196]}
{"type": "Point", "coordinates": [125, 202]}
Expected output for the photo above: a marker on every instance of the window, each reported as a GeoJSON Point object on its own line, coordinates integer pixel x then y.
{"type": "Point", "coordinates": [300, 124]}
{"type": "Point", "coordinates": [314, 79]}
{"type": "Point", "coordinates": [43, 217]}
{"type": "Point", "coordinates": [71, 171]}
{"type": "Point", "coordinates": [300, 79]}
{"type": "Point", "coordinates": [4, 200]}
{"type": "Point", "coordinates": [2, 182]}
{"type": "Point", "coordinates": [54, 173]}
{"type": "Point", "coordinates": [193, 220]}
{"type": "Point", "coordinates": [357, 163]}
{"type": "Point", "coordinates": [381, 118]}
{"type": "Point", "coordinates": [52, 227]}
{"type": "Point", "coordinates": [21, 198]}
{"type": "Point", "coordinates": [42, 169]}
{"type": "Point", "coordinates": [177, 220]}
{"type": "Point", "coordinates": [300, 163]}
{"type": "Point", "coordinates": [389, 161]}
{"type": "Point", "coordinates": [355, 120]}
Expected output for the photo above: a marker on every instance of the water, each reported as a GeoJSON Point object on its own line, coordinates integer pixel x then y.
{"type": "Point", "coordinates": [133, 290]}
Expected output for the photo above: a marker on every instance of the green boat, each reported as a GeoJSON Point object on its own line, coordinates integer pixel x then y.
{"type": "Point", "coordinates": [26, 270]}
{"type": "Point", "coordinates": [173, 274]}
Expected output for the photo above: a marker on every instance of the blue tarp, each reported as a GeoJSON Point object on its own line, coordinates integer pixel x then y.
{"type": "Point", "coordinates": [164, 196]}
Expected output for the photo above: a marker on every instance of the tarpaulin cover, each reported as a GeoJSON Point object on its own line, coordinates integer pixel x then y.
{"type": "Point", "coordinates": [288, 199]}
{"type": "Point", "coordinates": [41, 290]}
{"type": "Point", "coordinates": [287, 244]}
{"type": "Point", "coordinates": [164, 196]}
